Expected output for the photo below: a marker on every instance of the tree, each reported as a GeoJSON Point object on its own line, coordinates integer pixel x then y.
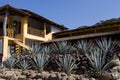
{"type": "Point", "coordinates": [108, 21]}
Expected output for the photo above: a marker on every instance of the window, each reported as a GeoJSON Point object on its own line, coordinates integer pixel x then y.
{"type": "Point", "coordinates": [48, 28]}
{"type": "Point", "coordinates": [1, 24]}
{"type": "Point", "coordinates": [17, 26]}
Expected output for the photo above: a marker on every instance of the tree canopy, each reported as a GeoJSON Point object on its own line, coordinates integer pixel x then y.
{"type": "Point", "coordinates": [112, 20]}
{"type": "Point", "coordinates": [102, 22]}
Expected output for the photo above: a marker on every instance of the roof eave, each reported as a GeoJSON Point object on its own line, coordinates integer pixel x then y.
{"type": "Point", "coordinates": [11, 9]}
{"type": "Point", "coordinates": [44, 19]}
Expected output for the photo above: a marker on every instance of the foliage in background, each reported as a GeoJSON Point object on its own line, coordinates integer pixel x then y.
{"type": "Point", "coordinates": [102, 22]}
{"type": "Point", "coordinates": [112, 20]}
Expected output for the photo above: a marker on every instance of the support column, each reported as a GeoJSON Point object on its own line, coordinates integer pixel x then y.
{"type": "Point", "coordinates": [45, 29]}
{"type": "Point", "coordinates": [5, 47]}
{"type": "Point", "coordinates": [24, 28]}
{"type": "Point", "coordinates": [5, 38]}
{"type": "Point", "coordinates": [47, 36]}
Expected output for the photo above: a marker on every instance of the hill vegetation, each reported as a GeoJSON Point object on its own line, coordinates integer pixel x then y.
{"type": "Point", "coordinates": [102, 22]}
{"type": "Point", "coordinates": [112, 20]}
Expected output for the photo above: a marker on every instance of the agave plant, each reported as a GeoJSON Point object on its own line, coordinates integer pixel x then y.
{"type": "Point", "coordinates": [39, 62]}
{"type": "Point", "coordinates": [98, 62]}
{"type": "Point", "coordinates": [46, 50]}
{"type": "Point", "coordinates": [10, 62]}
{"type": "Point", "coordinates": [97, 58]}
{"type": "Point", "coordinates": [107, 45]}
{"type": "Point", "coordinates": [23, 64]}
{"type": "Point", "coordinates": [62, 47]}
{"type": "Point", "coordinates": [1, 65]}
{"type": "Point", "coordinates": [36, 48]}
{"type": "Point", "coordinates": [67, 63]}
{"type": "Point", "coordinates": [83, 47]}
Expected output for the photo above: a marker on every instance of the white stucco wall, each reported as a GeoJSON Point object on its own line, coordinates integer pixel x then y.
{"type": "Point", "coordinates": [55, 29]}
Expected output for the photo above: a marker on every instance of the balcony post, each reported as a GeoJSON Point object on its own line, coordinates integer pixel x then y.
{"type": "Point", "coordinates": [5, 38]}
{"type": "Point", "coordinates": [44, 29]}
{"type": "Point", "coordinates": [24, 28]}
{"type": "Point", "coordinates": [5, 48]}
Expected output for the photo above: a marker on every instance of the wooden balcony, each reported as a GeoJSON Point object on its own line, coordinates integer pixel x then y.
{"type": "Point", "coordinates": [10, 32]}
{"type": "Point", "coordinates": [35, 32]}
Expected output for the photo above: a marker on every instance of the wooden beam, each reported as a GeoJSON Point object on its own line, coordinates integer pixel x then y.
{"type": "Point", "coordinates": [21, 44]}
{"type": "Point", "coordinates": [5, 48]}
{"type": "Point", "coordinates": [44, 29]}
{"type": "Point", "coordinates": [24, 28]}
{"type": "Point", "coordinates": [18, 41]}
{"type": "Point", "coordinates": [33, 37]}
{"type": "Point", "coordinates": [85, 36]}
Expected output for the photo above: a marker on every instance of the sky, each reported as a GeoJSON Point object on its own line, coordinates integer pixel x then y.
{"type": "Point", "coordinates": [70, 13]}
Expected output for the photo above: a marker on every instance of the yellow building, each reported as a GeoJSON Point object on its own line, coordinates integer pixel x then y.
{"type": "Point", "coordinates": [19, 27]}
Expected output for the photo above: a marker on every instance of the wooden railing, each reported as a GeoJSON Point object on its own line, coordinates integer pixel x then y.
{"type": "Point", "coordinates": [10, 32]}
{"type": "Point", "coordinates": [35, 32]}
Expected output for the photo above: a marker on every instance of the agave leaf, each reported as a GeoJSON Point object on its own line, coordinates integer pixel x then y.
{"type": "Point", "coordinates": [24, 64]}
{"type": "Point", "coordinates": [46, 50]}
{"type": "Point", "coordinates": [97, 60]}
{"type": "Point", "coordinates": [107, 45]}
{"type": "Point", "coordinates": [10, 62]}
{"type": "Point", "coordinates": [83, 46]}
{"type": "Point", "coordinates": [62, 47]}
{"type": "Point", "coordinates": [36, 48]}
{"type": "Point", "coordinates": [66, 63]}
{"type": "Point", "coordinates": [100, 58]}
{"type": "Point", "coordinates": [39, 62]}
